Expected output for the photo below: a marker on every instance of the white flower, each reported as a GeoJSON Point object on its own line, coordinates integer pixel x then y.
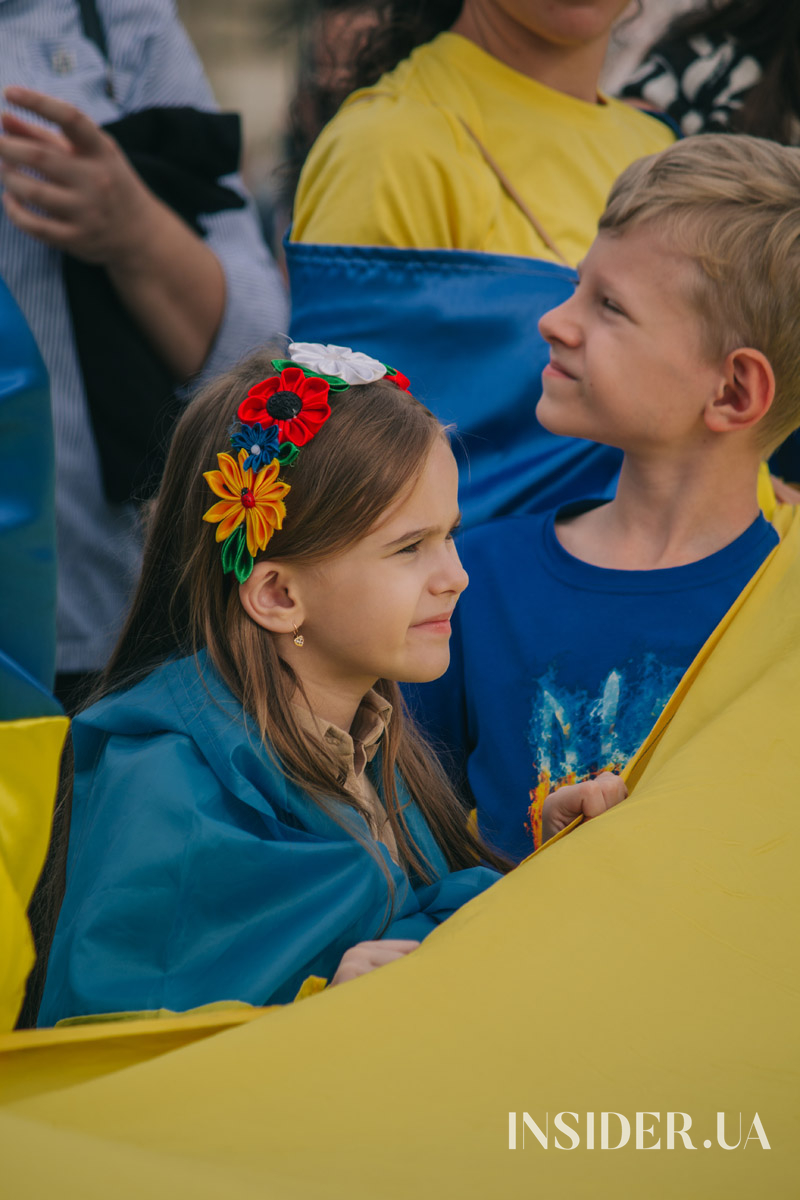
{"type": "Point", "coordinates": [350, 365]}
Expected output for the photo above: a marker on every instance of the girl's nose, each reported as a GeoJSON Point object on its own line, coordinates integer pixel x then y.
{"type": "Point", "coordinates": [452, 578]}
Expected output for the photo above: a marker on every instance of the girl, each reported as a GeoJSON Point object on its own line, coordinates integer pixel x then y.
{"type": "Point", "coordinates": [252, 807]}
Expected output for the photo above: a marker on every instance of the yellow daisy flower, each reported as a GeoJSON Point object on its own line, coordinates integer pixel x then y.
{"type": "Point", "coordinates": [258, 501]}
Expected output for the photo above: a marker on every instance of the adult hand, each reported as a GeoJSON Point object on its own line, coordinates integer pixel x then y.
{"type": "Point", "coordinates": [85, 198]}
{"type": "Point", "coordinates": [367, 956]}
{"type": "Point", "coordinates": [784, 492]}
{"type": "Point", "coordinates": [588, 799]}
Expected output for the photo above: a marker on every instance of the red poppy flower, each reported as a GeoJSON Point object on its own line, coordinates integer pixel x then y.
{"type": "Point", "coordinates": [298, 406]}
{"type": "Point", "coordinates": [398, 377]}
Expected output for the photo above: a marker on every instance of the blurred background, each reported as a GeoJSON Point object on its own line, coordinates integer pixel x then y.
{"type": "Point", "coordinates": [256, 51]}
{"type": "Point", "coordinates": [250, 49]}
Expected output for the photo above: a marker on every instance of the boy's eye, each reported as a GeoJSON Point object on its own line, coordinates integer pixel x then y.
{"type": "Point", "coordinates": [610, 306]}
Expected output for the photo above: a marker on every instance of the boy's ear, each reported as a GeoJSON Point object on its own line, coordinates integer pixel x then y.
{"type": "Point", "coordinates": [270, 597]}
{"type": "Point", "coordinates": [746, 392]}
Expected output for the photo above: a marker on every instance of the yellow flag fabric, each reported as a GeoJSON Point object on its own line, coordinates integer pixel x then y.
{"type": "Point", "coordinates": [33, 1061]}
{"type": "Point", "coordinates": [644, 967]}
{"type": "Point", "coordinates": [30, 752]}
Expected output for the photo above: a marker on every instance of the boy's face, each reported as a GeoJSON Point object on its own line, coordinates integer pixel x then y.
{"type": "Point", "coordinates": [627, 363]}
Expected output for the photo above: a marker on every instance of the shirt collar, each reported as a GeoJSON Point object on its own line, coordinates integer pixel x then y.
{"type": "Point", "coordinates": [355, 749]}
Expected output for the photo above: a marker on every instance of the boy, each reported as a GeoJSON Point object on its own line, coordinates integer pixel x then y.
{"type": "Point", "coordinates": [680, 346]}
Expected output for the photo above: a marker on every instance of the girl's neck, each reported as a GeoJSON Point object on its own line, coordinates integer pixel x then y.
{"type": "Point", "coordinates": [666, 515]}
{"type": "Point", "coordinates": [573, 70]}
{"type": "Point", "coordinates": [336, 703]}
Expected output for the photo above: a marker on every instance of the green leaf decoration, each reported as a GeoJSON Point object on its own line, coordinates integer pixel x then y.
{"type": "Point", "coordinates": [334, 382]}
{"type": "Point", "coordinates": [235, 555]}
{"type": "Point", "coordinates": [288, 454]}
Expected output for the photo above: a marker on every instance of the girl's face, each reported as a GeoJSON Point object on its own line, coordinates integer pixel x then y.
{"type": "Point", "coordinates": [381, 610]}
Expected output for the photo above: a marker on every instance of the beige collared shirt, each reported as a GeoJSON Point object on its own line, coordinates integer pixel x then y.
{"type": "Point", "coordinates": [353, 751]}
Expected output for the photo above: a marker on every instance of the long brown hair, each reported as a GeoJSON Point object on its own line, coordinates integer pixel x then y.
{"type": "Point", "coordinates": [369, 451]}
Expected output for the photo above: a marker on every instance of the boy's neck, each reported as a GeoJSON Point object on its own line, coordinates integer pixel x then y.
{"type": "Point", "coordinates": [667, 513]}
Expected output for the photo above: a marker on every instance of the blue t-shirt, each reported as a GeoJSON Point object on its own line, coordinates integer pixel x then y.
{"type": "Point", "coordinates": [559, 669]}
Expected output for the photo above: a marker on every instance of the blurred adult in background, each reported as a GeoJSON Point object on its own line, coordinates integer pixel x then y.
{"type": "Point", "coordinates": [730, 67]}
{"type": "Point", "coordinates": [444, 208]}
{"type": "Point", "coordinates": [134, 280]}
{"type": "Point", "coordinates": [641, 25]}
{"type": "Point", "coordinates": [331, 36]}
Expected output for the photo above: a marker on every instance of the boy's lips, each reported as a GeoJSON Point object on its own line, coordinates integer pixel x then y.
{"type": "Point", "coordinates": [556, 370]}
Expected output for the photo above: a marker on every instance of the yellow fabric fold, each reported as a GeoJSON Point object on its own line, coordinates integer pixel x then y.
{"type": "Point", "coordinates": [30, 753]}
{"type": "Point", "coordinates": [643, 964]}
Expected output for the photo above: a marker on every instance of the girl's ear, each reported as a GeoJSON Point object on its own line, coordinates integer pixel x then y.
{"type": "Point", "coordinates": [746, 394]}
{"type": "Point", "coordinates": [270, 598]}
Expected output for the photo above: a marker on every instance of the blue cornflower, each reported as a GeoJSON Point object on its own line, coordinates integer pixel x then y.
{"type": "Point", "coordinates": [261, 445]}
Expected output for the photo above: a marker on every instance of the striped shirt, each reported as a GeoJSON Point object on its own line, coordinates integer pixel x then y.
{"type": "Point", "coordinates": [153, 63]}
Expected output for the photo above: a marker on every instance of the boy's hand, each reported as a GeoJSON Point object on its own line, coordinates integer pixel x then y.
{"type": "Point", "coordinates": [587, 799]}
{"type": "Point", "coordinates": [367, 956]}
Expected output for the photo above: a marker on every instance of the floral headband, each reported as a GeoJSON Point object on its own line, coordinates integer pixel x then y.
{"type": "Point", "coordinates": [278, 417]}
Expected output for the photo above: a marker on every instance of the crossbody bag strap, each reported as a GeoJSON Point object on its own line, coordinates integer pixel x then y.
{"type": "Point", "coordinates": [94, 31]}
{"type": "Point", "coordinates": [512, 192]}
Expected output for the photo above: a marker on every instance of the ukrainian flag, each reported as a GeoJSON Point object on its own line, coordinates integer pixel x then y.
{"type": "Point", "coordinates": [32, 727]}
{"type": "Point", "coordinates": [644, 967]}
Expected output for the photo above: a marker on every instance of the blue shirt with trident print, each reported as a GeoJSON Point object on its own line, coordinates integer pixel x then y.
{"type": "Point", "coordinates": [559, 669]}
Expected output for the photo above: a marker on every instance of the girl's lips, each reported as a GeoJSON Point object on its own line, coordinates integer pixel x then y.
{"type": "Point", "coordinates": [437, 624]}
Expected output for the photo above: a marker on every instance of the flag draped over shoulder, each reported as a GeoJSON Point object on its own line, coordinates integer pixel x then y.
{"type": "Point", "coordinates": [643, 964]}
{"type": "Point", "coordinates": [462, 325]}
{"type": "Point", "coordinates": [31, 727]}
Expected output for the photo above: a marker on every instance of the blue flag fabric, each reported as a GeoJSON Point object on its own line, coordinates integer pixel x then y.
{"type": "Point", "coordinates": [27, 523]}
{"type": "Point", "coordinates": [198, 872]}
{"type": "Point", "coordinates": [462, 325]}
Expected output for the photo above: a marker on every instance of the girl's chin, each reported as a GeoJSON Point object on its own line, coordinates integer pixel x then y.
{"type": "Point", "coordinates": [425, 673]}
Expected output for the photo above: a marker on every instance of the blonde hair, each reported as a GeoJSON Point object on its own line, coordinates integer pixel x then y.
{"type": "Point", "coordinates": [730, 203]}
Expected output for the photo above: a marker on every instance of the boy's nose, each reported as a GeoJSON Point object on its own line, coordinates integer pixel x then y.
{"type": "Point", "coordinates": [557, 325]}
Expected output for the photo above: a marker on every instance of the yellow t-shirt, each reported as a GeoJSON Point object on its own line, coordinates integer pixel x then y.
{"type": "Point", "coordinates": [396, 167]}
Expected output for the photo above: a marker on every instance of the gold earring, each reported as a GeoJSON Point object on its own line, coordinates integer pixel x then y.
{"type": "Point", "coordinates": [299, 640]}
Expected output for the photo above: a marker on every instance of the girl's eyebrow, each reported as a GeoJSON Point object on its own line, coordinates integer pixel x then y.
{"type": "Point", "coordinates": [414, 535]}
{"type": "Point", "coordinates": [411, 536]}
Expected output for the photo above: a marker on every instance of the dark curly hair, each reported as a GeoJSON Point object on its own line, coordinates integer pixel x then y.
{"type": "Point", "coordinates": [770, 31]}
{"type": "Point", "coordinates": [398, 27]}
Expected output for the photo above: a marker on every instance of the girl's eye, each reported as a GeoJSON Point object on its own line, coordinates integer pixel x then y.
{"type": "Point", "coordinates": [610, 306]}
{"type": "Point", "coordinates": [412, 549]}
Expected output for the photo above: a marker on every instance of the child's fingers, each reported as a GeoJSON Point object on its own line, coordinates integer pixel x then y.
{"type": "Point", "coordinates": [401, 945]}
{"type": "Point", "coordinates": [592, 798]}
{"type": "Point", "coordinates": [612, 788]}
{"type": "Point", "coordinates": [368, 956]}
